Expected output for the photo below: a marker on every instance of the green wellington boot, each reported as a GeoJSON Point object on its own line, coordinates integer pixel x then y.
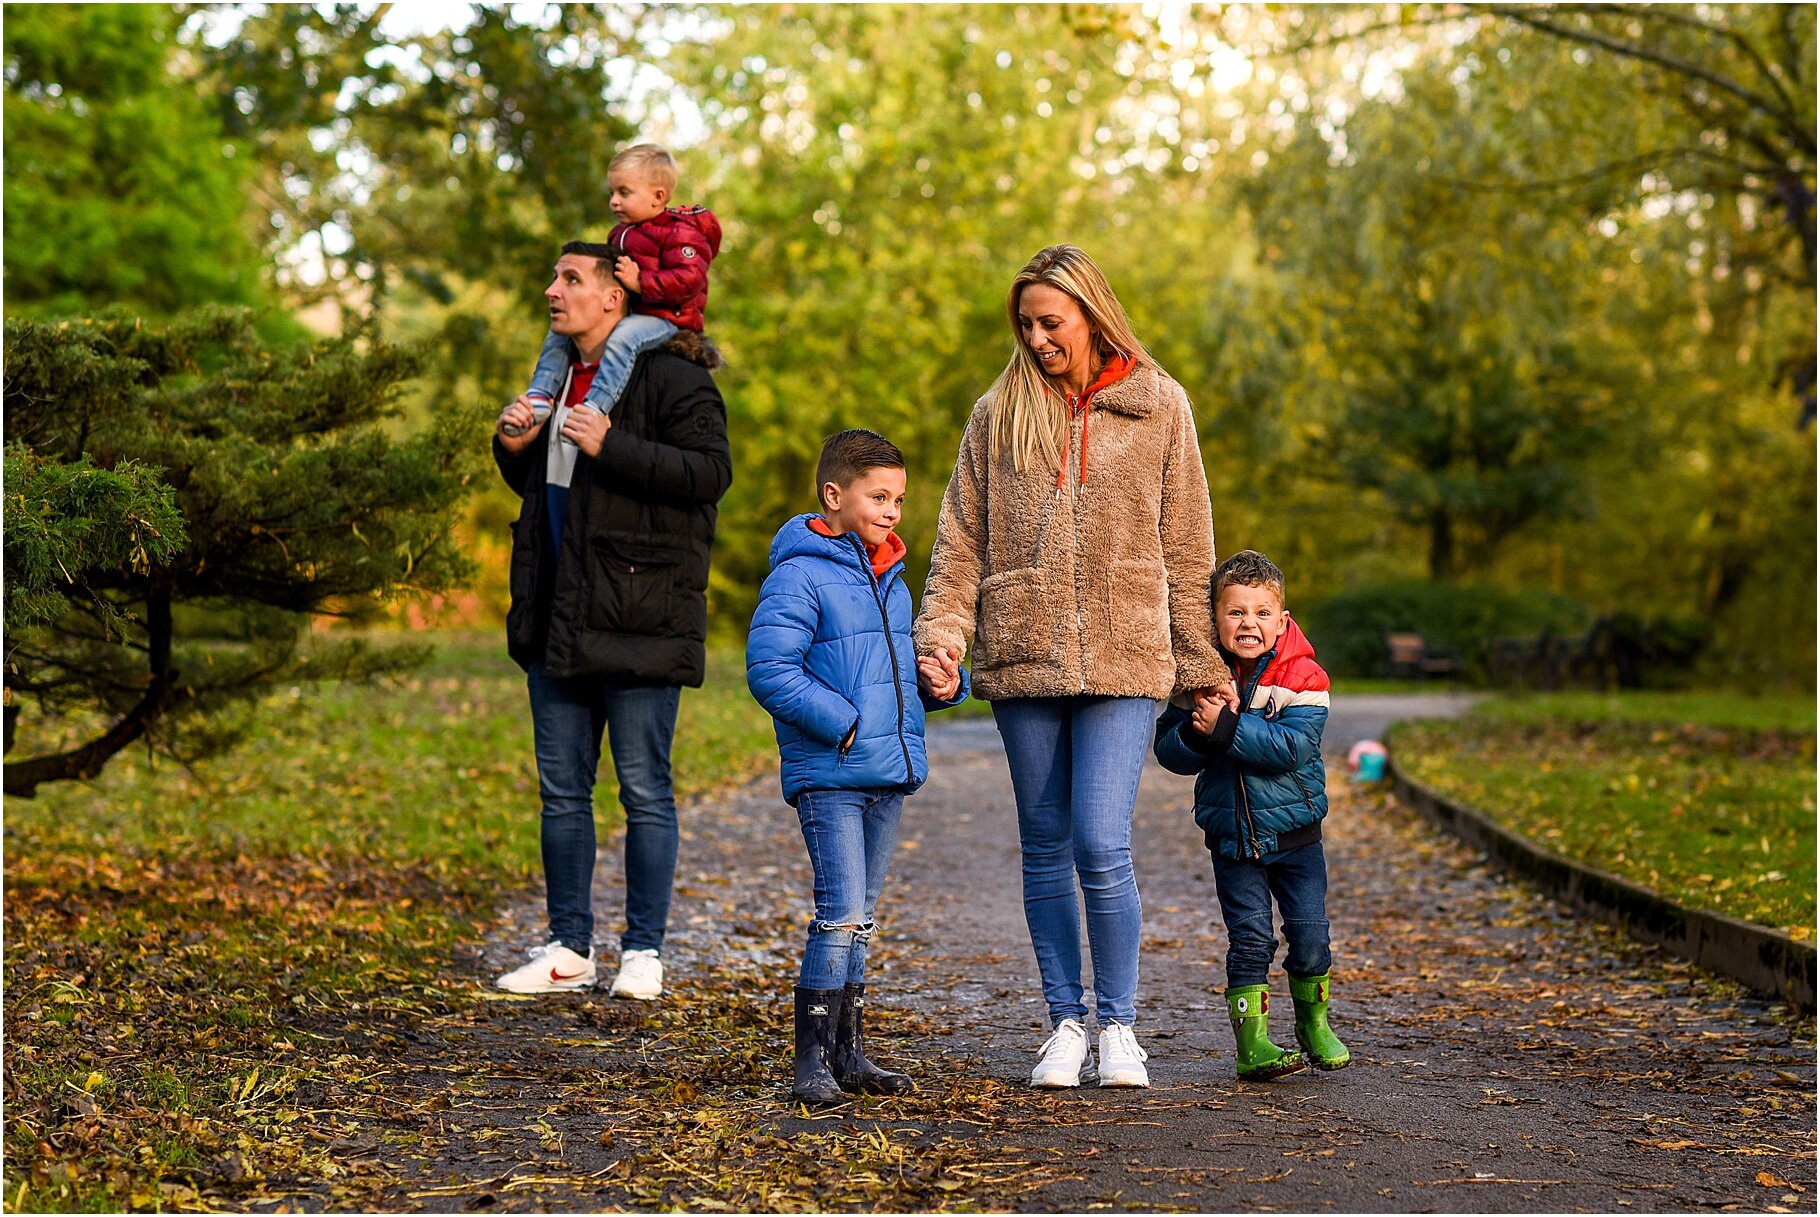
{"type": "Point", "coordinates": [1311, 1030]}
{"type": "Point", "coordinates": [1259, 1059]}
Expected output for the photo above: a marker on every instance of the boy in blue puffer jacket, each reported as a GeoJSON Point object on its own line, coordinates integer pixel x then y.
{"type": "Point", "coordinates": [1260, 797]}
{"type": "Point", "coordinates": [830, 659]}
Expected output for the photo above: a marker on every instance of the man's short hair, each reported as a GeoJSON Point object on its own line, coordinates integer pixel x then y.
{"type": "Point", "coordinates": [1248, 568]}
{"type": "Point", "coordinates": [600, 251]}
{"type": "Point", "coordinates": [846, 455]}
{"type": "Point", "coordinates": [650, 162]}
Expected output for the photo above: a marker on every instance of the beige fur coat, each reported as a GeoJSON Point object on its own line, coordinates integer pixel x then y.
{"type": "Point", "coordinates": [1101, 589]}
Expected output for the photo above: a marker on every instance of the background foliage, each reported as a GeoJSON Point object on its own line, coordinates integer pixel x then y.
{"type": "Point", "coordinates": [1513, 300]}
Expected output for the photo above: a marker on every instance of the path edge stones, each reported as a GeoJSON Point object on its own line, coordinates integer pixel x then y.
{"type": "Point", "coordinates": [1765, 960]}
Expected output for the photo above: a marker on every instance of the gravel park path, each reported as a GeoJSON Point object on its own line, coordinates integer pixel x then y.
{"type": "Point", "coordinates": [1506, 1057]}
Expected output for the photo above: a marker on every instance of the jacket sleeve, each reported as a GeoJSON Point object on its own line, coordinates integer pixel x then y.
{"type": "Point", "coordinates": [777, 650]}
{"type": "Point", "coordinates": [951, 596]}
{"type": "Point", "coordinates": [1282, 744]}
{"type": "Point", "coordinates": [931, 704]}
{"type": "Point", "coordinates": [674, 278]}
{"type": "Point", "coordinates": [515, 467]}
{"type": "Point", "coordinates": [1178, 746]}
{"type": "Point", "coordinates": [688, 462]}
{"type": "Point", "coordinates": [1187, 537]}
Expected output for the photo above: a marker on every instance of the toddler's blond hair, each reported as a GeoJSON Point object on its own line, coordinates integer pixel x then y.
{"type": "Point", "coordinates": [650, 162]}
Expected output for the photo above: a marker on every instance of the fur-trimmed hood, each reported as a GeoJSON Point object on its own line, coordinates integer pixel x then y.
{"type": "Point", "coordinates": [694, 346]}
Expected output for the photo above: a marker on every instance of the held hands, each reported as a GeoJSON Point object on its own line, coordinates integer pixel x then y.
{"type": "Point", "coordinates": [939, 674]}
{"type": "Point", "coordinates": [1209, 702]}
{"type": "Point", "coordinates": [626, 270]}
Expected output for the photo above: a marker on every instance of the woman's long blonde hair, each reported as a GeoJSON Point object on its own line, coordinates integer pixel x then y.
{"type": "Point", "coordinates": [1028, 414]}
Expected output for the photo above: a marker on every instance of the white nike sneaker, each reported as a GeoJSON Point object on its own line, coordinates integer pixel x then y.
{"type": "Point", "coordinates": [641, 976]}
{"type": "Point", "coordinates": [1121, 1060]}
{"type": "Point", "coordinates": [554, 968]}
{"type": "Point", "coordinates": [1065, 1055]}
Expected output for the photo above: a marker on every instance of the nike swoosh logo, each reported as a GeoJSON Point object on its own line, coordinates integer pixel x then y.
{"type": "Point", "coordinates": [555, 975]}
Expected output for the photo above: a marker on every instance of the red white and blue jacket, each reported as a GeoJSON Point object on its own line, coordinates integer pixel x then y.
{"type": "Point", "coordinates": [1261, 786]}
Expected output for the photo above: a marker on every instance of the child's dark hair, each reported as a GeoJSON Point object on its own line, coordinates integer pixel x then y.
{"type": "Point", "coordinates": [1248, 568]}
{"type": "Point", "coordinates": [848, 454]}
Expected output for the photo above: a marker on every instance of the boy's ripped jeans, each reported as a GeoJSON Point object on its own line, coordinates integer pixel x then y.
{"type": "Point", "coordinates": [850, 835]}
{"type": "Point", "coordinates": [1298, 880]}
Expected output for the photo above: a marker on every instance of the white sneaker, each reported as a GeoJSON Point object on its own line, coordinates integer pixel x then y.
{"type": "Point", "coordinates": [1121, 1060]}
{"type": "Point", "coordinates": [1065, 1055]}
{"type": "Point", "coordinates": [554, 968]}
{"type": "Point", "coordinates": [641, 976]}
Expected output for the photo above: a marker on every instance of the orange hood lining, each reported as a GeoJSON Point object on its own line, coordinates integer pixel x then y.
{"type": "Point", "coordinates": [883, 557]}
{"type": "Point", "coordinates": [1116, 369]}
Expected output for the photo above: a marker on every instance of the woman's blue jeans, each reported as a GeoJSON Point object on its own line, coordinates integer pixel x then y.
{"type": "Point", "coordinates": [850, 835]}
{"type": "Point", "coordinates": [567, 717]}
{"type": "Point", "coordinates": [1298, 879]}
{"type": "Point", "coordinates": [1075, 764]}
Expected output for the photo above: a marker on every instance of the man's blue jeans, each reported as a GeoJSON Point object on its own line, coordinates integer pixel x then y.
{"type": "Point", "coordinates": [1298, 879]}
{"type": "Point", "coordinates": [1075, 764]}
{"type": "Point", "coordinates": [567, 716]}
{"type": "Point", "coordinates": [850, 835]}
{"type": "Point", "coordinates": [635, 334]}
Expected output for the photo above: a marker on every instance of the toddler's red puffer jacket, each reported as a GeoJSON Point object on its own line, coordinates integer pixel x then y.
{"type": "Point", "coordinates": [672, 251]}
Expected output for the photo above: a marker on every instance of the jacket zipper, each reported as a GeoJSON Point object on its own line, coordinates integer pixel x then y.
{"type": "Point", "coordinates": [897, 677]}
{"type": "Point", "coordinates": [1298, 785]}
{"type": "Point", "coordinates": [1239, 777]}
{"type": "Point", "coordinates": [1251, 826]}
{"type": "Point", "coordinates": [1074, 517]}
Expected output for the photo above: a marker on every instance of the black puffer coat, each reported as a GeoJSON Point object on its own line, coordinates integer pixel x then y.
{"type": "Point", "coordinates": [628, 600]}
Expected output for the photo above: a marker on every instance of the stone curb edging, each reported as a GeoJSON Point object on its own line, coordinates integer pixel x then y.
{"type": "Point", "coordinates": [1763, 959]}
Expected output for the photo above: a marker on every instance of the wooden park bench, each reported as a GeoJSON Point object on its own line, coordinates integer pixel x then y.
{"type": "Point", "coordinates": [1408, 656]}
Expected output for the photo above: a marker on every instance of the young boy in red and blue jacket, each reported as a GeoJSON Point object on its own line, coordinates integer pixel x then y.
{"type": "Point", "coordinates": [1260, 795]}
{"type": "Point", "coordinates": [830, 658]}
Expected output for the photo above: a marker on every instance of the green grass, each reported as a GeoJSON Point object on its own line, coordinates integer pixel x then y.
{"type": "Point", "coordinates": [438, 763]}
{"type": "Point", "coordinates": [1717, 709]}
{"type": "Point", "coordinates": [166, 929]}
{"type": "Point", "coordinates": [1707, 799]}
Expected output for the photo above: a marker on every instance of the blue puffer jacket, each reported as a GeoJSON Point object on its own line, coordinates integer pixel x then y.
{"type": "Point", "coordinates": [1260, 772]}
{"type": "Point", "coordinates": [830, 647]}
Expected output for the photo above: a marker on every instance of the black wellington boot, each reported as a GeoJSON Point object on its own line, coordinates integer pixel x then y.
{"type": "Point", "coordinates": [851, 1068]}
{"type": "Point", "coordinates": [817, 1010]}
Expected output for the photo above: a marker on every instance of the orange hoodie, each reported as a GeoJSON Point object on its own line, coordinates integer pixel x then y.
{"type": "Point", "coordinates": [883, 557]}
{"type": "Point", "coordinates": [1116, 369]}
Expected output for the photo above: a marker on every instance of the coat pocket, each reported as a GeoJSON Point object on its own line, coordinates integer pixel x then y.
{"type": "Point", "coordinates": [634, 590]}
{"type": "Point", "coordinates": [1016, 623]}
{"type": "Point", "coordinates": [1137, 608]}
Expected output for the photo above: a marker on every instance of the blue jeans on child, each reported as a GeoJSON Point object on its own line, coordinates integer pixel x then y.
{"type": "Point", "coordinates": [567, 716]}
{"type": "Point", "coordinates": [1298, 879]}
{"type": "Point", "coordinates": [850, 835]}
{"type": "Point", "coordinates": [1075, 763]}
{"type": "Point", "coordinates": [635, 334]}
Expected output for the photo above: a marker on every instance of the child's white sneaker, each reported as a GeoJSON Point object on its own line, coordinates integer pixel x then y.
{"type": "Point", "coordinates": [553, 968]}
{"type": "Point", "coordinates": [1065, 1055]}
{"type": "Point", "coordinates": [641, 976]}
{"type": "Point", "coordinates": [1121, 1060]}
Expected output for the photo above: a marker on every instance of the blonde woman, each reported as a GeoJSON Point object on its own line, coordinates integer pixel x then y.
{"type": "Point", "coordinates": [1074, 551]}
